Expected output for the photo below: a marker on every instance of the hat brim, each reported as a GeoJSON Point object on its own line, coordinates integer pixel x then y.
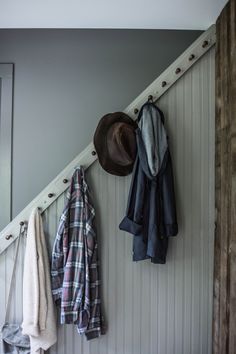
{"type": "Point", "coordinates": [100, 143]}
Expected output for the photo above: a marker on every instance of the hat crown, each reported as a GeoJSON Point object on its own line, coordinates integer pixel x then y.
{"type": "Point", "coordinates": [121, 143]}
{"type": "Point", "coordinates": [115, 143]}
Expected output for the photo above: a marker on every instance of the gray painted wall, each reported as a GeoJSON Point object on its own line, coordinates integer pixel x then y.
{"type": "Point", "coordinates": [65, 80]}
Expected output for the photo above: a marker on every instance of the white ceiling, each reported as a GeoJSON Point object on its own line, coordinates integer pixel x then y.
{"type": "Point", "coordinates": [150, 14]}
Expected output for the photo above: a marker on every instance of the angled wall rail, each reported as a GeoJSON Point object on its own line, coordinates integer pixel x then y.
{"type": "Point", "coordinates": [159, 86]}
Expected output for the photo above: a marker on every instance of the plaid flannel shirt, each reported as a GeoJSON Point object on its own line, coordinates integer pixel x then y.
{"type": "Point", "coordinates": [74, 270]}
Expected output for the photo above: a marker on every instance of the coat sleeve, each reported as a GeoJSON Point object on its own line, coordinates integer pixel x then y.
{"type": "Point", "coordinates": [133, 221]}
{"type": "Point", "coordinates": [170, 226]}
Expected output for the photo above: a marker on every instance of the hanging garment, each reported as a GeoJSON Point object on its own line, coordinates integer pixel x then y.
{"type": "Point", "coordinates": [12, 339]}
{"type": "Point", "coordinates": [74, 270]}
{"type": "Point", "coordinates": [39, 319]}
{"type": "Point", "coordinates": [151, 213]}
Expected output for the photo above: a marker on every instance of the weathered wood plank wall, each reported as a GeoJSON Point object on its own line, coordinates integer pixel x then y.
{"type": "Point", "coordinates": [224, 322]}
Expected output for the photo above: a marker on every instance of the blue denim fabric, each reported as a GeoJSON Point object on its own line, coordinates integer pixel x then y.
{"type": "Point", "coordinates": [13, 341]}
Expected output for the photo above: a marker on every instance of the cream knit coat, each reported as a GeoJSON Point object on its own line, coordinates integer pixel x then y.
{"type": "Point", "coordinates": [39, 319]}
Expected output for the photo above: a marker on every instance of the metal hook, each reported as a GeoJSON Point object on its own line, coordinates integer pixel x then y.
{"type": "Point", "coordinates": [23, 228]}
{"type": "Point", "coordinates": [7, 237]}
{"type": "Point", "coordinates": [150, 98]}
{"type": "Point", "coordinates": [205, 44]}
{"type": "Point", "coordinates": [22, 223]}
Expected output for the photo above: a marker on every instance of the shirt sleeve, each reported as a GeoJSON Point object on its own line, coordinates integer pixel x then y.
{"type": "Point", "coordinates": [57, 263]}
{"type": "Point", "coordinates": [92, 290]}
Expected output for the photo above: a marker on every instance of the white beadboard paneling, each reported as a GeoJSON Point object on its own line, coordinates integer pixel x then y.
{"type": "Point", "coordinates": [152, 309]}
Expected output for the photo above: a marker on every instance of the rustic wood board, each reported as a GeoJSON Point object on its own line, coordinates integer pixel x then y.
{"type": "Point", "coordinates": [224, 319]}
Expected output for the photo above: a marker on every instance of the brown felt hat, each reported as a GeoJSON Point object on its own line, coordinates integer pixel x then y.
{"type": "Point", "coordinates": [115, 143]}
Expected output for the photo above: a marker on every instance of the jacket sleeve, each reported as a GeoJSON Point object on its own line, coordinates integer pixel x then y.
{"type": "Point", "coordinates": [57, 263]}
{"type": "Point", "coordinates": [133, 221]}
{"type": "Point", "coordinates": [170, 225]}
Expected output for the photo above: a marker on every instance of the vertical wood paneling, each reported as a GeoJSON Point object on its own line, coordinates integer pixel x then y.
{"type": "Point", "coordinates": [154, 309]}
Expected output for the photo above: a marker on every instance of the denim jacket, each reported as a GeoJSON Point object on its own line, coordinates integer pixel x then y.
{"type": "Point", "coordinates": [151, 210]}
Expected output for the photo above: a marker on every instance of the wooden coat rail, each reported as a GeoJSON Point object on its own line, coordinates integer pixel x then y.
{"type": "Point", "coordinates": [49, 194]}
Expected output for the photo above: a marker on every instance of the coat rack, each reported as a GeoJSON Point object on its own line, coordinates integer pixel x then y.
{"type": "Point", "coordinates": [153, 92]}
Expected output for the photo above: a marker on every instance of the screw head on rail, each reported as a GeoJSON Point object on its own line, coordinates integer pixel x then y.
{"type": "Point", "coordinates": [136, 111]}
{"type": "Point", "coordinates": [164, 83]}
{"type": "Point", "coordinates": [50, 195]}
{"type": "Point", "coordinates": [94, 153]}
{"type": "Point", "coordinates": [65, 180]}
{"type": "Point", "coordinates": [177, 71]}
{"type": "Point", "coordinates": [21, 223]}
{"type": "Point", "coordinates": [191, 57]}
